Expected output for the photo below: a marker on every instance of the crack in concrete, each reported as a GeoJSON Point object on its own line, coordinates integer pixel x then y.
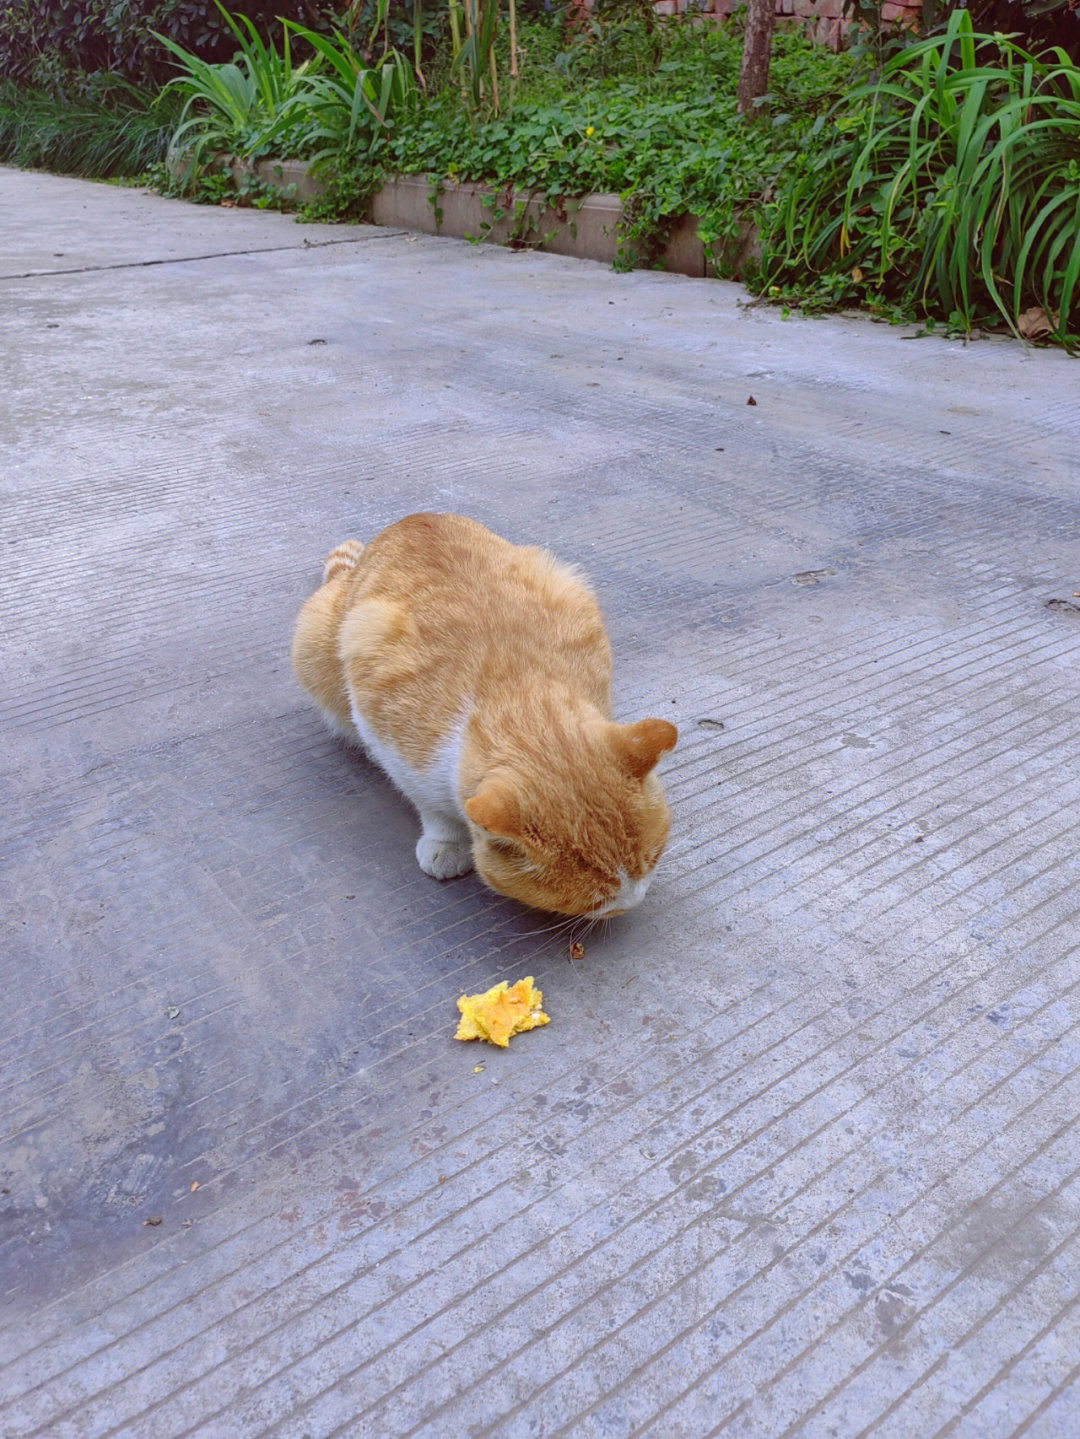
{"type": "Point", "coordinates": [212, 255]}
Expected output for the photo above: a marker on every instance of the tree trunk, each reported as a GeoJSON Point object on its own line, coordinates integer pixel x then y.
{"type": "Point", "coordinates": [757, 52]}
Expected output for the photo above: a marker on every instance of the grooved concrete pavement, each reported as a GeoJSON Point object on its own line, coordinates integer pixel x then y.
{"type": "Point", "coordinates": [797, 1154]}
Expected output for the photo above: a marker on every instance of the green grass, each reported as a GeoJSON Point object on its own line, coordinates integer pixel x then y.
{"type": "Point", "coordinates": [118, 132]}
{"type": "Point", "coordinates": [951, 189]}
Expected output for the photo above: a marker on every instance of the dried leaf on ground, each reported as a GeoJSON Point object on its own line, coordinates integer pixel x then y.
{"type": "Point", "coordinates": [1036, 324]}
{"type": "Point", "coordinates": [501, 1012]}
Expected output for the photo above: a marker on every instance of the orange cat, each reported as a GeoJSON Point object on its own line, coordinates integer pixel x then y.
{"type": "Point", "coordinates": [476, 673]}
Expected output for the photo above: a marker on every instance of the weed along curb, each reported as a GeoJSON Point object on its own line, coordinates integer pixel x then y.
{"type": "Point", "coordinates": [587, 229]}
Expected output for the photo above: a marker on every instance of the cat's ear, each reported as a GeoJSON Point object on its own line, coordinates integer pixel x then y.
{"type": "Point", "coordinates": [639, 746]}
{"type": "Point", "coordinates": [494, 807]}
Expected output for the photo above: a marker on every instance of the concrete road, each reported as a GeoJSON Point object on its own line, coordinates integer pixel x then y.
{"type": "Point", "coordinates": [798, 1152]}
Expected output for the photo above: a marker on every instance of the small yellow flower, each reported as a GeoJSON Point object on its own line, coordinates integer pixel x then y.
{"type": "Point", "coordinates": [589, 130]}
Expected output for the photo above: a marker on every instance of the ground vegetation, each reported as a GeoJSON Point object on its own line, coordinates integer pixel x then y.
{"type": "Point", "coordinates": [928, 177]}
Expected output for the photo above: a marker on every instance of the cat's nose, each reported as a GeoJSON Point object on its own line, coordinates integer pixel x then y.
{"type": "Point", "coordinates": [631, 892]}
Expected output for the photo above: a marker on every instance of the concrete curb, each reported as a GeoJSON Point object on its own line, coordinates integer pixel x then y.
{"type": "Point", "coordinates": [586, 228]}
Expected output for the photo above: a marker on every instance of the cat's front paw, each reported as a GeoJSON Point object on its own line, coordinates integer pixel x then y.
{"type": "Point", "coordinates": [444, 858]}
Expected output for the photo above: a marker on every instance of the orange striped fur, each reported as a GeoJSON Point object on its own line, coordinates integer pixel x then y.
{"type": "Point", "coordinates": [477, 673]}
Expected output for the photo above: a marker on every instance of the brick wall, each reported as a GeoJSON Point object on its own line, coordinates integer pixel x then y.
{"type": "Point", "coordinates": [822, 19]}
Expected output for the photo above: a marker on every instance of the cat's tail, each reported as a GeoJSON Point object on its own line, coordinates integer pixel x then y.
{"type": "Point", "coordinates": [342, 558]}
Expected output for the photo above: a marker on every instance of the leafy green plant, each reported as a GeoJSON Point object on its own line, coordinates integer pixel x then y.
{"type": "Point", "coordinates": [346, 105]}
{"type": "Point", "coordinates": [474, 55]}
{"type": "Point", "coordinates": [669, 141]}
{"type": "Point", "coordinates": [954, 187]}
{"type": "Point", "coordinates": [616, 43]}
{"type": "Point", "coordinates": [331, 104]}
{"type": "Point", "coordinates": [346, 192]}
{"type": "Point", "coordinates": [1035, 24]}
{"type": "Point", "coordinates": [50, 43]}
{"type": "Point", "coordinates": [240, 107]}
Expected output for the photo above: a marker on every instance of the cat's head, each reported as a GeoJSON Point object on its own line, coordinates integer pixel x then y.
{"type": "Point", "coordinates": [576, 831]}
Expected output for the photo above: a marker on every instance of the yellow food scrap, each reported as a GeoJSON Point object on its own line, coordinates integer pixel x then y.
{"type": "Point", "coordinates": [503, 1011]}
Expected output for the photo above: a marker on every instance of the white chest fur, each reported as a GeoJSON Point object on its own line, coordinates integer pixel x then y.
{"type": "Point", "coordinates": [434, 789]}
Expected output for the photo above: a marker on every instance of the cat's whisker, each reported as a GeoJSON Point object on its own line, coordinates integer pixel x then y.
{"type": "Point", "coordinates": [570, 932]}
{"type": "Point", "coordinates": [563, 924]}
{"type": "Point", "coordinates": [580, 928]}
